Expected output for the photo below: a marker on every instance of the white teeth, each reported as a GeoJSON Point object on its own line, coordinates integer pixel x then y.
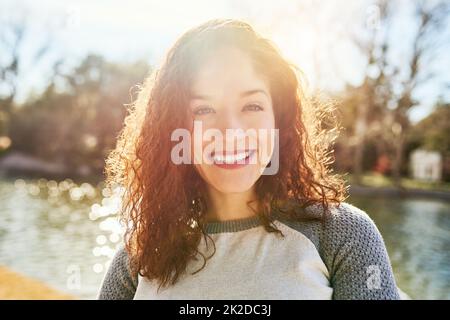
{"type": "Point", "coordinates": [231, 158]}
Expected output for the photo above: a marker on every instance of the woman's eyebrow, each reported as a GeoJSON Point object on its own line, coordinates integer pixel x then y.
{"type": "Point", "coordinates": [253, 91]}
{"type": "Point", "coordinates": [243, 94]}
{"type": "Point", "coordinates": [199, 97]}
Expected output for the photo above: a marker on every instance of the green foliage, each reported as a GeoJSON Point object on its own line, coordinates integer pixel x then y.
{"type": "Point", "coordinates": [433, 132]}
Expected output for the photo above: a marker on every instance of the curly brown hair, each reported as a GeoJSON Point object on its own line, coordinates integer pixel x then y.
{"type": "Point", "coordinates": [163, 203]}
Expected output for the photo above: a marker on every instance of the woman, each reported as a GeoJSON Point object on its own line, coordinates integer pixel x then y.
{"type": "Point", "coordinates": [250, 216]}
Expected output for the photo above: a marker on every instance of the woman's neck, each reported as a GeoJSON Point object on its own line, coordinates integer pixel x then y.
{"type": "Point", "coordinates": [230, 206]}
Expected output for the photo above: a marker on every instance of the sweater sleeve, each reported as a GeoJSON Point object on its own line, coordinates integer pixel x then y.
{"type": "Point", "coordinates": [119, 283]}
{"type": "Point", "coordinates": [356, 256]}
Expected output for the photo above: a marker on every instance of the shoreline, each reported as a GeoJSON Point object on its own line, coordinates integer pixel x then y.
{"type": "Point", "coordinates": [360, 190]}
{"type": "Point", "coordinates": [16, 286]}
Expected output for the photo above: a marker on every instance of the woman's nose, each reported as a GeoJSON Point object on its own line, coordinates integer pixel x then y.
{"type": "Point", "coordinates": [229, 120]}
{"type": "Point", "coordinates": [233, 130]}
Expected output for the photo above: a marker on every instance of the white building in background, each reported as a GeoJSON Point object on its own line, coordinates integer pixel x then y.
{"type": "Point", "coordinates": [426, 165]}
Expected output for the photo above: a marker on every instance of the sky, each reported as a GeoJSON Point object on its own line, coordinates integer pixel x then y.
{"type": "Point", "coordinates": [315, 35]}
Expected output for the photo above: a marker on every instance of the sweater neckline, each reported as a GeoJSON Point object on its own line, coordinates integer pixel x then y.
{"type": "Point", "coordinates": [233, 225]}
{"type": "Point", "coordinates": [242, 224]}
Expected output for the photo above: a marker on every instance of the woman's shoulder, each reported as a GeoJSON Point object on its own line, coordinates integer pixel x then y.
{"type": "Point", "coordinates": [347, 217]}
{"type": "Point", "coordinates": [119, 282]}
{"type": "Point", "coordinates": [339, 213]}
{"type": "Point", "coordinates": [345, 223]}
{"type": "Point", "coordinates": [343, 226]}
{"type": "Point", "coordinates": [354, 251]}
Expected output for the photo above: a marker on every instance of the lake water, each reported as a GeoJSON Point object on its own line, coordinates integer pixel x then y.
{"type": "Point", "coordinates": [65, 234]}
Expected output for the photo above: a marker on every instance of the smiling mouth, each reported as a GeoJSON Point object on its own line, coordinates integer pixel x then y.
{"type": "Point", "coordinates": [233, 160]}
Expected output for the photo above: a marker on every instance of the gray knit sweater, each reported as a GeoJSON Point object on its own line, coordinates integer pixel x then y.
{"type": "Point", "coordinates": [341, 258]}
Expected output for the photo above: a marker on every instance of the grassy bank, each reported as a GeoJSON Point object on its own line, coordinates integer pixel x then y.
{"type": "Point", "coordinates": [379, 181]}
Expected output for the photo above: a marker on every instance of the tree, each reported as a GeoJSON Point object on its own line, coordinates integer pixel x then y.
{"type": "Point", "coordinates": [433, 132]}
{"type": "Point", "coordinates": [432, 17]}
{"type": "Point", "coordinates": [77, 118]}
{"type": "Point", "coordinates": [387, 92]}
{"type": "Point", "coordinates": [13, 34]}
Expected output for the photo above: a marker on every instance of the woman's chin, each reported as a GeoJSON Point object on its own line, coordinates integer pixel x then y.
{"type": "Point", "coordinates": [233, 188]}
{"type": "Point", "coordinates": [233, 183]}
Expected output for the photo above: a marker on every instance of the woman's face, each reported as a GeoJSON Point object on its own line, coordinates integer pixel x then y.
{"type": "Point", "coordinates": [234, 122]}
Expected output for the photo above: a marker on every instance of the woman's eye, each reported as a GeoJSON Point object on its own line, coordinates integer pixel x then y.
{"type": "Point", "coordinates": [253, 107]}
{"type": "Point", "coordinates": [203, 110]}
